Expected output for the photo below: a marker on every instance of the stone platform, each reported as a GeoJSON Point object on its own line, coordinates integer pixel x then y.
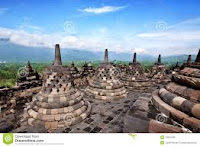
{"type": "Point", "coordinates": [60, 108]}
{"type": "Point", "coordinates": [179, 99]}
{"type": "Point", "coordinates": [105, 117]}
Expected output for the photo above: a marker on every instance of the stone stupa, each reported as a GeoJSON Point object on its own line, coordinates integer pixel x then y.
{"type": "Point", "coordinates": [198, 58]}
{"type": "Point", "coordinates": [180, 99]}
{"type": "Point", "coordinates": [188, 62]}
{"type": "Point", "coordinates": [27, 74]}
{"type": "Point", "coordinates": [175, 68]}
{"type": "Point", "coordinates": [195, 64]}
{"type": "Point", "coordinates": [106, 84]}
{"type": "Point", "coordinates": [58, 104]}
{"type": "Point", "coordinates": [135, 76]}
{"type": "Point", "coordinates": [158, 70]}
{"type": "Point", "coordinates": [88, 70]}
{"type": "Point", "coordinates": [74, 70]}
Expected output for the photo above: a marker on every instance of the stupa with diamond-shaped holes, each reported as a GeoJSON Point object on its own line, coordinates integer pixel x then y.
{"type": "Point", "coordinates": [106, 84]}
{"type": "Point", "coordinates": [134, 76]}
{"type": "Point", "coordinates": [58, 104]}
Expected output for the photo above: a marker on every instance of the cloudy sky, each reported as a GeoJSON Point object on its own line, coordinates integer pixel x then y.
{"type": "Point", "coordinates": [168, 27]}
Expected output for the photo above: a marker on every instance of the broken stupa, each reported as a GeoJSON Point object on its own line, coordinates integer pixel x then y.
{"type": "Point", "coordinates": [78, 79]}
{"type": "Point", "coordinates": [58, 104]}
{"type": "Point", "coordinates": [180, 99]}
{"type": "Point", "coordinates": [74, 70]}
{"type": "Point", "coordinates": [134, 76]}
{"type": "Point", "coordinates": [88, 70]}
{"type": "Point", "coordinates": [106, 84]}
{"type": "Point", "coordinates": [175, 68]}
{"type": "Point", "coordinates": [28, 75]}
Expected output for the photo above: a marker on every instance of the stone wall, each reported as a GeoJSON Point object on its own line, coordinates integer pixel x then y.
{"type": "Point", "coordinates": [10, 98]}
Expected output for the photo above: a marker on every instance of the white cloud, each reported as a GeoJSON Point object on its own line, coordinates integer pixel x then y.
{"type": "Point", "coordinates": [190, 24]}
{"type": "Point", "coordinates": [30, 27]}
{"type": "Point", "coordinates": [104, 9]}
{"type": "Point", "coordinates": [193, 35]}
{"type": "Point", "coordinates": [176, 40]}
{"type": "Point", "coordinates": [3, 10]}
{"type": "Point", "coordinates": [185, 30]}
{"type": "Point", "coordinates": [24, 38]}
{"type": "Point", "coordinates": [180, 38]}
{"type": "Point", "coordinates": [140, 50]}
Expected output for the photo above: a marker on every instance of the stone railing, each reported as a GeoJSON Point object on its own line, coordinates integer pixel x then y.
{"type": "Point", "coordinates": [11, 97]}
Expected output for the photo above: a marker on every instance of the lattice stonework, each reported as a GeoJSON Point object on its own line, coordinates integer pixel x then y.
{"type": "Point", "coordinates": [106, 84]}
{"type": "Point", "coordinates": [134, 76]}
{"type": "Point", "coordinates": [58, 104]}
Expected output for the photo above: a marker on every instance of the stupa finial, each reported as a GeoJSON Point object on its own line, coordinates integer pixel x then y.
{"type": "Point", "coordinates": [135, 58]}
{"type": "Point", "coordinates": [57, 60]}
{"type": "Point", "coordinates": [198, 57]}
{"type": "Point", "coordinates": [29, 67]}
{"type": "Point", "coordinates": [177, 65]}
{"type": "Point", "coordinates": [159, 59]}
{"type": "Point", "coordinates": [106, 56]}
{"type": "Point", "coordinates": [189, 59]}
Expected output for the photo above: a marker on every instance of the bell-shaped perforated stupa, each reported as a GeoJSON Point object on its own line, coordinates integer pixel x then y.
{"type": "Point", "coordinates": [135, 68]}
{"type": "Point", "coordinates": [180, 99]}
{"type": "Point", "coordinates": [88, 70]}
{"type": "Point", "coordinates": [196, 63]}
{"type": "Point", "coordinates": [158, 71]}
{"type": "Point", "coordinates": [135, 76]}
{"type": "Point", "coordinates": [58, 104]}
{"type": "Point", "coordinates": [106, 84]}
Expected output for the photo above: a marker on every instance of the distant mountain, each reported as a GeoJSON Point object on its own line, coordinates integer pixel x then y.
{"type": "Point", "coordinates": [4, 40]}
{"type": "Point", "coordinates": [180, 58]}
{"type": "Point", "coordinates": [10, 52]}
